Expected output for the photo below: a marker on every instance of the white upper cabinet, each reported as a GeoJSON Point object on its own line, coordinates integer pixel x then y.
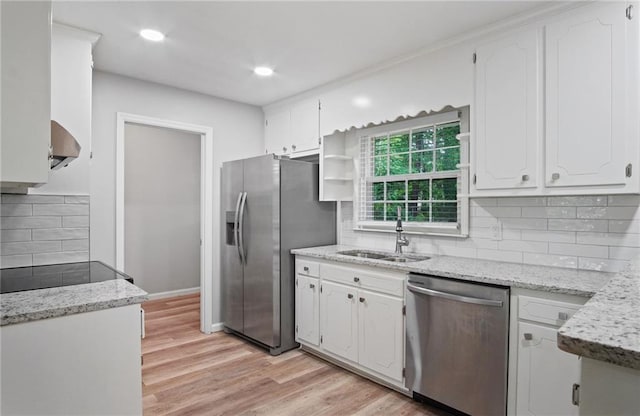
{"type": "Point", "coordinates": [26, 93]}
{"type": "Point", "coordinates": [508, 100]}
{"type": "Point", "coordinates": [585, 98]}
{"type": "Point", "coordinates": [293, 130]}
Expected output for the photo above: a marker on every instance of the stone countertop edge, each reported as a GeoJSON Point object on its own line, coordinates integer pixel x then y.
{"type": "Point", "coordinates": [606, 328]}
{"type": "Point", "coordinates": [33, 305]}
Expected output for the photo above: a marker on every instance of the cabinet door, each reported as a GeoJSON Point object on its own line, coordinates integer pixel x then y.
{"type": "Point", "coordinates": [545, 373]}
{"type": "Point", "coordinates": [277, 132]}
{"type": "Point", "coordinates": [307, 310]}
{"type": "Point", "coordinates": [305, 126]}
{"type": "Point", "coordinates": [338, 310]}
{"type": "Point", "coordinates": [585, 97]}
{"type": "Point", "coordinates": [381, 333]}
{"type": "Point", "coordinates": [508, 112]}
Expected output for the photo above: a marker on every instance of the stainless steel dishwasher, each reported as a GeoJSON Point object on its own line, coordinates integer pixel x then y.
{"type": "Point", "coordinates": [457, 344]}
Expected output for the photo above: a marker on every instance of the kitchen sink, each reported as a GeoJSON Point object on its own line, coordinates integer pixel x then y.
{"type": "Point", "coordinates": [390, 257]}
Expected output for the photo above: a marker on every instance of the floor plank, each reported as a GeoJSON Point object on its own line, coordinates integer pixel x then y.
{"type": "Point", "coordinates": [186, 372]}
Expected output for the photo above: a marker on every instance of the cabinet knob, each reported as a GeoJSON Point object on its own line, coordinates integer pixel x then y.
{"type": "Point", "coordinates": [555, 176]}
{"type": "Point", "coordinates": [356, 279]}
{"type": "Point", "coordinates": [350, 296]}
{"type": "Point", "coordinates": [284, 149]}
{"type": "Point", "coordinates": [293, 147]}
{"type": "Point", "coordinates": [528, 336]}
{"type": "Point", "coordinates": [312, 286]}
{"type": "Point", "coordinates": [563, 316]}
{"type": "Point", "coordinates": [305, 268]}
{"type": "Point", "coordinates": [361, 300]}
{"type": "Point", "coordinates": [525, 178]}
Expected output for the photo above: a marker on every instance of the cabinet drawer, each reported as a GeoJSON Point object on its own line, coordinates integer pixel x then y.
{"type": "Point", "coordinates": [546, 311]}
{"type": "Point", "coordinates": [380, 282]}
{"type": "Point", "coordinates": [308, 268]}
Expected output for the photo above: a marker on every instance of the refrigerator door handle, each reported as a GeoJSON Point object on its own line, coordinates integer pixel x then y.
{"type": "Point", "coordinates": [243, 255]}
{"type": "Point", "coordinates": [236, 225]}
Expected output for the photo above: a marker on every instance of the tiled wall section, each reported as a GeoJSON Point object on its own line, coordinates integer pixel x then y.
{"type": "Point", "coordinates": [585, 232]}
{"type": "Point", "coordinates": [43, 229]}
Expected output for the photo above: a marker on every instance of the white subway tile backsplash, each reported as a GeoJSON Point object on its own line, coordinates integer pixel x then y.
{"type": "Point", "coordinates": [15, 210]}
{"type": "Point", "coordinates": [458, 251]}
{"type": "Point", "coordinates": [479, 222]}
{"type": "Point", "coordinates": [578, 225]}
{"type": "Point", "coordinates": [555, 236]}
{"type": "Point", "coordinates": [18, 260]}
{"type": "Point", "coordinates": [522, 202]}
{"type": "Point", "coordinates": [501, 212]}
{"type": "Point", "coordinates": [608, 213]}
{"type": "Point", "coordinates": [43, 229]}
{"type": "Point", "coordinates": [524, 223]}
{"type": "Point", "coordinates": [609, 239]}
{"type": "Point", "coordinates": [577, 250]}
{"type": "Point", "coordinates": [577, 201]}
{"type": "Point", "coordinates": [75, 221]}
{"type": "Point", "coordinates": [60, 234]}
{"type": "Point", "coordinates": [30, 247]}
{"type": "Point", "coordinates": [61, 209]}
{"type": "Point", "coordinates": [602, 265]}
{"type": "Point", "coordinates": [624, 226]}
{"type": "Point", "coordinates": [32, 199]}
{"type": "Point", "coordinates": [624, 253]}
{"type": "Point", "coordinates": [75, 245]}
{"type": "Point", "coordinates": [61, 257]}
{"type": "Point", "coordinates": [510, 234]}
{"type": "Point", "coordinates": [551, 260]}
{"type": "Point", "coordinates": [7, 236]}
{"type": "Point", "coordinates": [14, 223]}
{"type": "Point", "coordinates": [624, 200]}
{"type": "Point", "coordinates": [524, 246]}
{"type": "Point", "coordinates": [483, 202]}
{"type": "Point", "coordinates": [500, 255]}
{"type": "Point", "coordinates": [549, 212]}
{"type": "Point", "coordinates": [76, 199]}
{"type": "Point", "coordinates": [477, 243]}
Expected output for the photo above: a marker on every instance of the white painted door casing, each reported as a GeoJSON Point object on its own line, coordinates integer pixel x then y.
{"type": "Point", "coordinates": [381, 333]}
{"type": "Point", "coordinates": [586, 98]}
{"type": "Point", "coordinates": [308, 310]}
{"type": "Point", "coordinates": [545, 373]}
{"type": "Point", "coordinates": [339, 320]}
{"type": "Point", "coordinates": [508, 99]}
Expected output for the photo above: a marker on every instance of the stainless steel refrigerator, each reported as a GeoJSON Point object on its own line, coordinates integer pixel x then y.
{"type": "Point", "coordinates": [269, 206]}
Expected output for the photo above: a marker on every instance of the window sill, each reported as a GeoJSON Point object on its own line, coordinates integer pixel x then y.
{"type": "Point", "coordinates": [427, 230]}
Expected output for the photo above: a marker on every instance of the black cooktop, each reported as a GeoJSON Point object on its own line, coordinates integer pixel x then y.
{"type": "Point", "coordinates": [41, 277]}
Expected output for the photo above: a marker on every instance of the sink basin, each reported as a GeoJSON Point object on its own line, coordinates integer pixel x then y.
{"type": "Point", "coordinates": [367, 254]}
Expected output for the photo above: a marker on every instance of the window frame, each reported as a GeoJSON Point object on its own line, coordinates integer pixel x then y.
{"type": "Point", "coordinates": [460, 228]}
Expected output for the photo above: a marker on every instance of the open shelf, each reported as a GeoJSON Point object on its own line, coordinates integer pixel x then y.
{"type": "Point", "coordinates": [338, 157]}
{"type": "Point", "coordinates": [337, 178]}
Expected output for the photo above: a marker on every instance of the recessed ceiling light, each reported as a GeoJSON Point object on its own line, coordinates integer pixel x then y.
{"type": "Point", "coordinates": [152, 35]}
{"type": "Point", "coordinates": [362, 102]}
{"type": "Point", "coordinates": [263, 71]}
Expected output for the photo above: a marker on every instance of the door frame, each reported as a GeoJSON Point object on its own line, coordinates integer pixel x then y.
{"type": "Point", "coordinates": [208, 244]}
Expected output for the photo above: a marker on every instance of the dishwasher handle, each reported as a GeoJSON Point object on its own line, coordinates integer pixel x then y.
{"type": "Point", "coordinates": [451, 296]}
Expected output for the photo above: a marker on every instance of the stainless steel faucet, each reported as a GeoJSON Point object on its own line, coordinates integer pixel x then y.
{"type": "Point", "coordinates": [400, 239]}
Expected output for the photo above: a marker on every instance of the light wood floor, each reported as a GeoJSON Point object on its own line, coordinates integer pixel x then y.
{"type": "Point", "coordinates": [188, 373]}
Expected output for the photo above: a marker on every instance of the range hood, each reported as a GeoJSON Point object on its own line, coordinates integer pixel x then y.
{"type": "Point", "coordinates": [64, 147]}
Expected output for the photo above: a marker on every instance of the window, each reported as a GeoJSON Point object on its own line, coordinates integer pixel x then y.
{"type": "Point", "coordinates": [415, 167]}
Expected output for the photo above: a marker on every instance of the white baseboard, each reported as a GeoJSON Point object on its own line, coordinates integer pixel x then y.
{"type": "Point", "coordinates": [172, 293]}
{"type": "Point", "coordinates": [217, 327]}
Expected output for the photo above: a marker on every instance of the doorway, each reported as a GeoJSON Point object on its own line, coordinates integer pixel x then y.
{"type": "Point", "coordinates": [164, 207]}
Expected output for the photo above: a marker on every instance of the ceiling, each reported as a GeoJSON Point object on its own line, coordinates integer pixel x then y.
{"type": "Point", "coordinates": [211, 47]}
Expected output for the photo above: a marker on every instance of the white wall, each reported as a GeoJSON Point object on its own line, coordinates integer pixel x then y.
{"type": "Point", "coordinates": [237, 133]}
{"type": "Point", "coordinates": [71, 62]}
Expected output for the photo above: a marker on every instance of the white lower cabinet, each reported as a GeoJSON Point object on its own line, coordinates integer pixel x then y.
{"type": "Point", "coordinates": [541, 374]}
{"type": "Point", "coordinates": [361, 317]}
{"type": "Point", "coordinates": [339, 324]}
{"type": "Point", "coordinates": [307, 309]}
{"type": "Point", "coordinates": [546, 374]}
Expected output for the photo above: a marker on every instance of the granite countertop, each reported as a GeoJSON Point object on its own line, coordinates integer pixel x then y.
{"type": "Point", "coordinates": [32, 305]}
{"type": "Point", "coordinates": [606, 328]}
{"type": "Point", "coordinates": [550, 279]}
